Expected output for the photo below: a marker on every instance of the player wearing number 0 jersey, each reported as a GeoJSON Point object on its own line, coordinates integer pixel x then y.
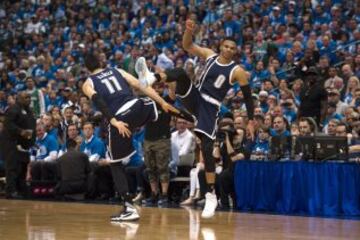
{"type": "Point", "coordinates": [111, 91]}
{"type": "Point", "coordinates": [204, 100]}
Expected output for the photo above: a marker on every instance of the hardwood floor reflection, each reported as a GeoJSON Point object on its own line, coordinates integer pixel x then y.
{"type": "Point", "coordinates": [53, 220]}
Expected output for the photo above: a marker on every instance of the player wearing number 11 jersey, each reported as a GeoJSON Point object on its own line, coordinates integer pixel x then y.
{"type": "Point", "coordinates": [110, 89]}
{"type": "Point", "coordinates": [204, 100]}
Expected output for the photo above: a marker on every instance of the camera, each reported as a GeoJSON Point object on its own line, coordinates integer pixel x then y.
{"type": "Point", "coordinates": [221, 133]}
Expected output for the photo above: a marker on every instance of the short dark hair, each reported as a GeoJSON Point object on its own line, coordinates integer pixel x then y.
{"type": "Point", "coordinates": [310, 121]}
{"type": "Point", "coordinates": [342, 124]}
{"type": "Point", "coordinates": [229, 38]}
{"type": "Point", "coordinates": [264, 128]}
{"type": "Point", "coordinates": [71, 125]}
{"type": "Point", "coordinates": [71, 144]}
{"type": "Point", "coordinates": [92, 61]}
{"type": "Point", "coordinates": [87, 123]}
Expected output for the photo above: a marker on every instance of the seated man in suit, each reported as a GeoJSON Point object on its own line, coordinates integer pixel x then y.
{"type": "Point", "coordinates": [73, 170]}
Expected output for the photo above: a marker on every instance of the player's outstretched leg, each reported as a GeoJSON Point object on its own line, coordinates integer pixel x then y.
{"type": "Point", "coordinates": [146, 78]}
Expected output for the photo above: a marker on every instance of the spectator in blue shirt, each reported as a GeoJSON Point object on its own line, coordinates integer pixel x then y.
{"type": "Point", "coordinates": [331, 114]}
{"type": "Point", "coordinates": [263, 96]}
{"type": "Point", "coordinates": [260, 150]}
{"type": "Point", "coordinates": [280, 127]}
{"type": "Point", "coordinates": [100, 180]}
{"type": "Point", "coordinates": [259, 75]}
{"type": "Point", "coordinates": [44, 155]}
{"type": "Point", "coordinates": [92, 145]}
{"type": "Point", "coordinates": [47, 120]}
{"type": "Point", "coordinates": [289, 110]}
{"type": "Point", "coordinates": [231, 27]}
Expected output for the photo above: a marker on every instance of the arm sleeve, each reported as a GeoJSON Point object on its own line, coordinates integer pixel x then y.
{"type": "Point", "coordinates": [101, 105]}
{"type": "Point", "coordinates": [249, 103]}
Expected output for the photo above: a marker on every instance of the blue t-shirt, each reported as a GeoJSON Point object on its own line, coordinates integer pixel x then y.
{"type": "Point", "coordinates": [44, 146]}
{"type": "Point", "coordinates": [93, 147]}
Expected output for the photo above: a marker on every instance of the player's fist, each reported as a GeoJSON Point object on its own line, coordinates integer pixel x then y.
{"type": "Point", "coordinates": [190, 25]}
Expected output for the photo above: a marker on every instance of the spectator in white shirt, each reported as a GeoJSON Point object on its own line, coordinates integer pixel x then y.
{"type": "Point", "coordinates": [183, 138]}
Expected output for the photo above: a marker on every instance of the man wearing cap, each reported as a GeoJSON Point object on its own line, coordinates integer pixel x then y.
{"type": "Point", "coordinates": [313, 97]}
{"type": "Point", "coordinates": [334, 97]}
{"type": "Point", "coordinates": [331, 113]}
{"type": "Point", "coordinates": [263, 96]}
{"type": "Point", "coordinates": [276, 17]}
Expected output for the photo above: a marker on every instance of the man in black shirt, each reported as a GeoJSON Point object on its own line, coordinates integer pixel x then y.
{"type": "Point", "coordinates": [73, 170]}
{"type": "Point", "coordinates": [19, 136]}
{"type": "Point", "coordinates": [313, 97]}
{"type": "Point", "coordinates": [157, 151]}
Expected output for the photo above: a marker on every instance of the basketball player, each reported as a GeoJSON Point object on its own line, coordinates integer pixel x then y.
{"type": "Point", "coordinates": [204, 100]}
{"type": "Point", "coordinates": [110, 90]}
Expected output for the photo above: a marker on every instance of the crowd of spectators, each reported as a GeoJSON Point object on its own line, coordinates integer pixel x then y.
{"type": "Point", "coordinates": [280, 44]}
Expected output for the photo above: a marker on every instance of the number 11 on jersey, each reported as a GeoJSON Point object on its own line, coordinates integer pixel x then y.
{"type": "Point", "coordinates": [111, 84]}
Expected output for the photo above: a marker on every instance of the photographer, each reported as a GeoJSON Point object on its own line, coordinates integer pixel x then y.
{"type": "Point", "coordinates": [225, 154]}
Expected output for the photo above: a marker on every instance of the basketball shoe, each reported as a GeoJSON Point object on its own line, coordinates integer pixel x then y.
{"type": "Point", "coordinates": [146, 78]}
{"type": "Point", "coordinates": [210, 205]}
{"type": "Point", "coordinates": [129, 213]}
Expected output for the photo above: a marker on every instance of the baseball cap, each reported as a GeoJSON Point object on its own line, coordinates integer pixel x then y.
{"type": "Point", "coordinates": [312, 71]}
{"type": "Point", "coordinates": [263, 93]}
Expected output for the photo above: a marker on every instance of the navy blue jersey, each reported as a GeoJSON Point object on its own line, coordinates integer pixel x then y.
{"type": "Point", "coordinates": [215, 78]}
{"type": "Point", "coordinates": [112, 87]}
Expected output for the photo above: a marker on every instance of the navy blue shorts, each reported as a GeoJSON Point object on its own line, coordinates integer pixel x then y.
{"type": "Point", "coordinates": [206, 113]}
{"type": "Point", "coordinates": [136, 115]}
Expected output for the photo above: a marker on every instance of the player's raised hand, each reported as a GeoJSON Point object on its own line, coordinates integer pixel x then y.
{"type": "Point", "coordinates": [122, 128]}
{"type": "Point", "coordinates": [190, 25]}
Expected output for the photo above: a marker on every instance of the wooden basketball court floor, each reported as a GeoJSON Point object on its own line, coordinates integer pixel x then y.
{"type": "Point", "coordinates": [39, 220]}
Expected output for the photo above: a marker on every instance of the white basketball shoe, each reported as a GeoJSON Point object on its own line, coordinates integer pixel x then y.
{"type": "Point", "coordinates": [146, 78]}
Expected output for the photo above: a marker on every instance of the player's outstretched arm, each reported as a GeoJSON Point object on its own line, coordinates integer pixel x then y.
{"type": "Point", "coordinates": [148, 91]}
{"type": "Point", "coordinates": [190, 46]}
{"type": "Point", "coordinates": [101, 105]}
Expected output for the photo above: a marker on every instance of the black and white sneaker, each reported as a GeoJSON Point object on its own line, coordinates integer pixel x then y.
{"type": "Point", "coordinates": [128, 214]}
